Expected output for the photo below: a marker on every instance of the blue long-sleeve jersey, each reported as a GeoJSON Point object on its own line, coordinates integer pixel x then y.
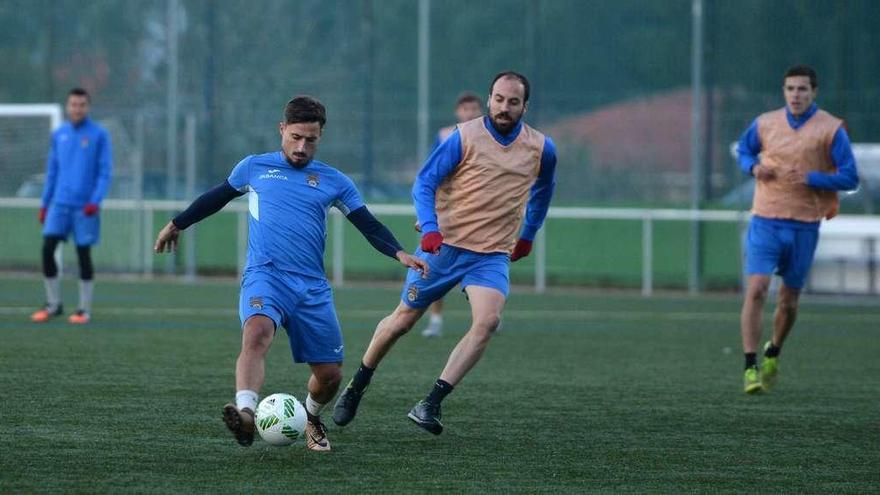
{"type": "Point", "coordinates": [447, 155]}
{"type": "Point", "coordinates": [845, 178]}
{"type": "Point", "coordinates": [79, 165]}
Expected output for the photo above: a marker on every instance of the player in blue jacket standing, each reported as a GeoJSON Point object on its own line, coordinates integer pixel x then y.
{"type": "Point", "coordinates": [77, 178]}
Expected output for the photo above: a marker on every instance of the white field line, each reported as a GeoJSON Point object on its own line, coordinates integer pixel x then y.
{"type": "Point", "coordinates": [518, 314]}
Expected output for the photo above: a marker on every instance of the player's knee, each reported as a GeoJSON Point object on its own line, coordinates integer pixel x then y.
{"type": "Point", "coordinates": [257, 336]}
{"type": "Point", "coordinates": [788, 305]}
{"type": "Point", "coordinates": [49, 245]}
{"type": "Point", "coordinates": [50, 268]}
{"type": "Point", "coordinates": [758, 291]}
{"type": "Point", "coordinates": [86, 269]}
{"type": "Point", "coordinates": [256, 344]}
{"type": "Point", "coordinates": [328, 376]}
{"type": "Point", "coordinates": [400, 322]}
{"type": "Point", "coordinates": [487, 324]}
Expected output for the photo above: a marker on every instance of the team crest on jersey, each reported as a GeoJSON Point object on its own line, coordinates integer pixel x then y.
{"type": "Point", "coordinates": [313, 180]}
{"type": "Point", "coordinates": [84, 142]}
{"type": "Point", "coordinates": [412, 293]}
{"type": "Point", "coordinates": [256, 302]}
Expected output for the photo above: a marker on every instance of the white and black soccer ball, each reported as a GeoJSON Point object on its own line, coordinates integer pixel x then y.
{"type": "Point", "coordinates": [281, 419]}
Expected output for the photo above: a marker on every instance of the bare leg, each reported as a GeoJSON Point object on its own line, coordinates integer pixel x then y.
{"type": "Point", "coordinates": [785, 315]}
{"type": "Point", "coordinates": [255, 341]}
{"type": "Point", "coordinates": [256, 337]}
{"type": "Point", "coordinates": [437, 307]}
{"type": "Point", "coordinates": [391, 328]}
{"type": "Point", "coordinates": [752, 311]}
{"type": "Point", "coordinates": [324, 382]}
{"type": "Point", "coordinates": [486, 306]}
{"type": "Point", "coordinates": [323, 385]}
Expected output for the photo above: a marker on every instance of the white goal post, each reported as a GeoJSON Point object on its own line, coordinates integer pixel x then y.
{"type": "Point", "coordinates": [51, 110]}
{"type": "Point", "coordinates": [24, 142]}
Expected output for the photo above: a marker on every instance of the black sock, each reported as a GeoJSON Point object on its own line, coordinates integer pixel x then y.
{"type": "Point", "coordinates": [439, 392]}
{"type": "Point", "coordinates": [772, 351]}
{"type": "Point", "coordinates": [362, 377]}
{"type": "Point", "coordinates": [751, 359]}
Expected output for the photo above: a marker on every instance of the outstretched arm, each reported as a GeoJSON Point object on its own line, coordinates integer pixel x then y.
{"type": "Point", "coordinates": [378, 235]}
{"type": "Point", "coordinates": [375, 232]}
{"type": "Point", "coordinates": [204, 206]}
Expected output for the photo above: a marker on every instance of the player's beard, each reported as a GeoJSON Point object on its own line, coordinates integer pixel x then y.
{"type": "Point", "coordinates": [298, 161]}
{"type": "Point", "coordinates": [503, 126]}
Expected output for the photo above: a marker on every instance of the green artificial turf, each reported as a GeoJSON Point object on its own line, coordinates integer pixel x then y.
{"type": "Point", "coordinates": [580, 392]}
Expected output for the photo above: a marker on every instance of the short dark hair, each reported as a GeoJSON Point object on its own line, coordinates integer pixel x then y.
{"type": "Point", "coordinates": [79, 92]}
{"type": "Point", "coordinates": [305, 108]}
{"type": "Point", "coordinates": [514, 75]}
{"type": "Point", "coordinates": [803, 70]}
{"type": "Point", "coordinates": [468, 97]}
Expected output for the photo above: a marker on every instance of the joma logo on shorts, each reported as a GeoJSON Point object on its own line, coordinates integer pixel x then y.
{"type": "Point", "coordinates": [412, 293]}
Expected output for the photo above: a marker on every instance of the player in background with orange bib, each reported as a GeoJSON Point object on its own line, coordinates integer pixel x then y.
{"type": "Point", "coordinates": [800, 157]}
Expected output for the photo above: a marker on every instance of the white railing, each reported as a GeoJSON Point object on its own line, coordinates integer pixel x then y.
{"type": "Point", "coordinates": [857, 228]}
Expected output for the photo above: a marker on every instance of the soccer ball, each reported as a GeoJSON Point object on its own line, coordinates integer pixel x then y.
{"type": "Point", "coordinates": [281, 419]}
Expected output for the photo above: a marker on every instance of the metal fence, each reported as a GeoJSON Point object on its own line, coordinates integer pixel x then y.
{"type": "Point", "coordinates": [846, 258]}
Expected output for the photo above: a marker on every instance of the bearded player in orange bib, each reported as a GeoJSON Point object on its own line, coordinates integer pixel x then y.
{"type": "Point", "coordinates": [480, 198]}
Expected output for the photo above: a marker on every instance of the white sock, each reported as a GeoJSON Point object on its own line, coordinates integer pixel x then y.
{"type": "Point", "coordinates": [314, 408]}
{"type": "Point", "coordinates": [436, 319]}
{"type": "Point", "coordinates": [53, 292]}
{"type": "Point", "coordinates": [246, 399]}
{"type": "Point", "coordinates": [85, 295]}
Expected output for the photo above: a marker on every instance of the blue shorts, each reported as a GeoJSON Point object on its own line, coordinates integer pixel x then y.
{"type": "Point", "coordinates": [783, 247]}
{"type": "Point", "coordinates": [61, 219]}
{"type": "Point", "coordinates": [302, 305]}
{"type": "Point", "coordinates": [452, 266]}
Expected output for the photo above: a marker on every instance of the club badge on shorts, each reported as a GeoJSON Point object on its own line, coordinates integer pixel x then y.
{"type": "Point", "coordinates": [412, 293]}
{"type": "Point", "coordinates": [256, 302]}
{"type": "Point", "coordinates": [313, 180]}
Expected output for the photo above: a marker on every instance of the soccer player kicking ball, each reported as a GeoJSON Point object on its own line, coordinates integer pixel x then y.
{"type": "Point", "coordinates": [284, 282]}
{"type": "Point", "coordinates": [77, 178]}
{"type": "Point", "coordinates": [800, 157]}
{"type": "Point", "coordinates": [491, 179]}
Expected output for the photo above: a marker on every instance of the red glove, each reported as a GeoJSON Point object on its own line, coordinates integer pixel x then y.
{"type": "Point", "coordinates": [431, 242]}
{"type": "Point", "coordinates": [90, 209]}
{"type": "Point", "coordinates": [521, 250]}
{"type": "Point", "coordinates": [42, 215]}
